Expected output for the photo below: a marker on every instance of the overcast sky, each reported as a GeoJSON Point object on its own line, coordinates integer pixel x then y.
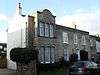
{"type": "Point", "coordinates": [84, 13]}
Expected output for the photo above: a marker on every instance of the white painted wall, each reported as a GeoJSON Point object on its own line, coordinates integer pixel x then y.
{"type": "Point", "coordinates": [98, 46]}
{"type": "Point", "coordinates": [16, 37]}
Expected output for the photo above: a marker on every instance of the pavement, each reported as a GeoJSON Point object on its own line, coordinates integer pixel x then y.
{"type": "Point", "coordinates": [7, 72]}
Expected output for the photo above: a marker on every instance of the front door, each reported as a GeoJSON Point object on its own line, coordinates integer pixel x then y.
{"type": "Point", "coordinates": [83, 55]}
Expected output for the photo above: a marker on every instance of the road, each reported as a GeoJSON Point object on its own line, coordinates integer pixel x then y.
{"type": "Point", "coordinates": [6, 72]}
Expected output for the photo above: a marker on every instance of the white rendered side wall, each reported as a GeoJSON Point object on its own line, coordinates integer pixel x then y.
{"type": "Point", "coordinates": [16, 38]}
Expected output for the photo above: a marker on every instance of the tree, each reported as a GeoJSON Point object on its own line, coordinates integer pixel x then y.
{"type": "Point", "coordinates": [23, 55]}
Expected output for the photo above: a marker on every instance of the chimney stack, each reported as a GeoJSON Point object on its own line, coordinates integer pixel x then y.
{"type": "Point", "coordinates": [18, 9]}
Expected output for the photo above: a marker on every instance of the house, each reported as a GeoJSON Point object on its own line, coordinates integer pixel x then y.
{"type": "Point", "coordinates": [98, 49]}
{"type": "Point", "coordinates": [17, 35]}
{"type": "Point", "coordinates": [3, 47]}
{"type": "Point", "coordinates": [39, 31]}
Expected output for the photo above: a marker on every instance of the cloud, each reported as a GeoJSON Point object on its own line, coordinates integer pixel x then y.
{"type": "Point", "coordinates": [3, 26]}
{"type": "Point", "coordinates": [87, 20]}
{"type": "Point", "coordinates": [3, 37]}
{"type": "Point", "coordinates": [3, 17]}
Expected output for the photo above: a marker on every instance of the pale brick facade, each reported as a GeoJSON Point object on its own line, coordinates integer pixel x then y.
{"type": "Point", "coordinates": [39, 31]}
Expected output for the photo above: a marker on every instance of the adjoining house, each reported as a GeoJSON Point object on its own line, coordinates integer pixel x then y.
{"type": "Point", "coordinates": [3, 50]}
{"type": "Point", "coordinates": [98, 49]}
{"type": "Point", "coordinates": [3, 47]}
{"type": "Point", "coordinates": [53, 41]}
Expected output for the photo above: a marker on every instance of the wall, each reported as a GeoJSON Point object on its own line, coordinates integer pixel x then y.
{"type": "Point", "coordinates": [16, 37]}
{"type": "Point", "coordinates": [71, 47]}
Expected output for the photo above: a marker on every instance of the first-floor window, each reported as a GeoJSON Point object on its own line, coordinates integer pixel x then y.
{"type": "Point", "coordinates": [41, 28]}
{"type": "Point", "coordinates": [51, 31]}
{"type": "Point", "coordinates": [75, 39]}
{"type": "Point", "coordinates": [65, 37]}
{"type": "Point", "coordinates": [83, 40]}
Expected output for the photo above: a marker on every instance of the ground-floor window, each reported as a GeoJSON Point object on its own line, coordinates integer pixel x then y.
{"type": "Point", "coordinates": [46, 54]}
{"type": "Point", "coordinates": [41, 55]}
{"type": "Point", "coordinates": [66, 55]}
{"type": "Point", "coordinates": [52, 54]}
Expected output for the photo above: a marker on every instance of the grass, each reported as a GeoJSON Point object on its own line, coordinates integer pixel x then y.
{"type": "Point", "coordinates": [60, 71]}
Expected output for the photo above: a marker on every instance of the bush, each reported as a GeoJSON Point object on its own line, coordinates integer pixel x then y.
{"type": "Point", "coordinates": [48, 67]}
{"type": "Point", "coordinates": [23, 55]}
{"type": "Point", "coordinates": [63, 62]}
{"type": "Point", "coordinates": [53, 66]}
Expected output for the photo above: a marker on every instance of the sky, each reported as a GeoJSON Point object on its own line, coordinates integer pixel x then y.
{"type": "Point", "coordinates": [85, 14]}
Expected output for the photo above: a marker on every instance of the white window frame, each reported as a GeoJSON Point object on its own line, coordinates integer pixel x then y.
{"type": "Point", "coordinates": [75, 39]}
{"type": "Point", "coordinates": [65, 54]}
{"type": "Point", "coordinates": [91, 42]}
{"type": "Point", "coordinates": [83, 40]}
{"type": "Point", "coordinates": [97, 46]}
{"type": "Point", "coordinates": [78, 53]}
{"type": "Point", "coordinates": [65, 37]}
{"type": "Point", "coordinates": [47, 54]}
{"type": "Point", "coordinates": [52, 55]}
{"type": "Point", "coordinates": [41, 28]}
{"type": "Point", "coordinates": [46, 30]}
{"type": "Point", "coordinates": [41, 54]}
{"type": "Point", "coordinates": [51, 31]}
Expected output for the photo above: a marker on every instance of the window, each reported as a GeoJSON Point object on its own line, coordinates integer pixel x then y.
{"type": "Point", "coordinates": [41, 55]}
{"type": "Point", "coordinates": [41, 28]}
{"type": "Point", "coordinates": [65, 54]}
{"type": "Point", "coordinates": [46, 30]}
{"type": "Point", "coordinates": [91, 42]}
{"type": "Point", "coordinates": [52, 54]}
{"type": "Point", "coordinates": [51, 30]}
{"type": "Point", "coordinates": [75, 39]}
{"type": "Point", "coordinates": [98, 46]}
{"type": "Point", "coordinates": [83, 40]}
{"type": "Point", "coordinates": [47, 54]}
{"type": "Point", "coordinates": [65, 37]}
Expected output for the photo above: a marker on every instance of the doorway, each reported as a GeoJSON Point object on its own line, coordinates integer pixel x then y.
{"type": "Point", "coordinates": [83, 55]}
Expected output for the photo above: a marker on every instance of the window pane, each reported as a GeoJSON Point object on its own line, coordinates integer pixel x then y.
{"type": "Point", "coordinates": [83, 40]}
{"type": "Point", "coordinates": [65, 54]}
{"type": "Point", "coordinates": [75, 39]}
{"type": "Point", "coordinates": [47, 55]}
{"type": "Point", "coordinates": [46, 30]}
{"type": "Point", "coordinates": [65, 37]}
{"type": "Point", "coordinates": [41, 25]}
{"type": "Point", "coordinates": [52, 54]}
{"type": "Point", "coordinates": [91, 42]}
{"type": "Point", "coordinates": [51, 30]}
{"type": "Point", "coordinates": [41, 55]}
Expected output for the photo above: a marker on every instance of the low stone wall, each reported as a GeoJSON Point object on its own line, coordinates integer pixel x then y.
{"type": "Point", "coordinates": [29, 69]}
{"type": "Point", "coordinates": [3, 62]}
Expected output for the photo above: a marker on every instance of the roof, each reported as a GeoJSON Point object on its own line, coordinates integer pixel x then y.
{"type": "Point", "coordinates": [72, 29]}
{"type": "Point", "coordinates": [97, 38]}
